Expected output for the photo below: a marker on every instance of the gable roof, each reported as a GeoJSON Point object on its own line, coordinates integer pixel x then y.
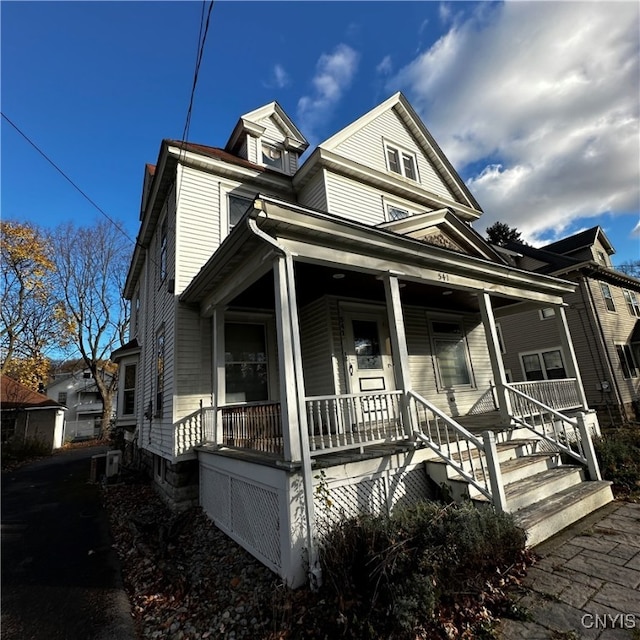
{"type": "Point", "coordinates": [423, 137]}
{"type": "Point", "coordinates": [250, 123]}
{"type": "Point", "coordinates": [14, 395]}
{"type": "Point", "coordinates": [581, 240]}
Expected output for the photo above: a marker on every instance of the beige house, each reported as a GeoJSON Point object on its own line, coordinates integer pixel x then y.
{"type": "Point", "coordinates": [313, 340]}
{"type": "Point", "coordinates": [603, 313]}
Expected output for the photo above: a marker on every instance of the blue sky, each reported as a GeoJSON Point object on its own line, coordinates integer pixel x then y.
{"type": "Point", "coordinates": [536, 104]}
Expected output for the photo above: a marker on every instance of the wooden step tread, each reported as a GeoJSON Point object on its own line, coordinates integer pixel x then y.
{"type": "Point", "coordinates": [519, 487]}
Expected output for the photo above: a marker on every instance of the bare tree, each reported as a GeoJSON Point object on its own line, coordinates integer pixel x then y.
{"type": "Point", "coordinates": [630, 267]}
{"type": "Point", "coordinates": [92, 266]}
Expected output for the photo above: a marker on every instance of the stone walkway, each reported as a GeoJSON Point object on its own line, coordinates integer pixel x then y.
{"type": "Point", "coordinates": [586, 583]}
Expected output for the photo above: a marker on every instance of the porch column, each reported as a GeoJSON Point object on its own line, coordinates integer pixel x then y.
{"type": "Point", "coordinates": [566, 343]}
{"type": "Point", "coordinates": [399, 347]}
{"type": "Point", "coordinates": [497, 366]}
{"type": "Point", "coordinates": [286, 360]}
{"type": "Point", "coordinates": [219, 391]}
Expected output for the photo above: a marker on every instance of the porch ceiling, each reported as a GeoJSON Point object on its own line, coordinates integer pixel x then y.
{"type": "Point", "coordinates": [314, 281]}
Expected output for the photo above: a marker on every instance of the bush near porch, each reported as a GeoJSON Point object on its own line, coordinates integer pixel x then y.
{"type": "Point", "coordinates": [618, 453]}
{"type": "Point", "coordinates": [428, 571]}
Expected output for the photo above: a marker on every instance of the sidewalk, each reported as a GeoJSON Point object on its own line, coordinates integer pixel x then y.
{"type": "Point", "coordinates": [586, 583]}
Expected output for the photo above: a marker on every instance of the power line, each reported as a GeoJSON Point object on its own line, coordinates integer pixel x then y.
{"type": "Point", "coordinates": [67, 178]}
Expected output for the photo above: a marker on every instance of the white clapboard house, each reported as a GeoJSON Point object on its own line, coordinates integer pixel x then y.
{"type": "Point", "coordinates": [310, 340]}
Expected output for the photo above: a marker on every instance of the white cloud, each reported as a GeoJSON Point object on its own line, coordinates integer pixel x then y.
{"type": "Point", "coordinates": [334, 73]}
{"type": "Point", "coordinates": [385, 66]}
{"type": "Point", "coordinates": [635, 233]}
{"type": "Point", "coordinates": [279, 78]}
{"type": "Point", "coordinates": [537, 103]}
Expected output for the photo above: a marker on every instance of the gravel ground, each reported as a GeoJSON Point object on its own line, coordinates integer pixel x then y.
{"type": "Point", "coordinates": [187, 580]}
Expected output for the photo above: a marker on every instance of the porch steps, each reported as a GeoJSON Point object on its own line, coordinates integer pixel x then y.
{"type": "Point", "coordinates": [544, 494]}
{"type": "Point", "coordinates": [543, 519]}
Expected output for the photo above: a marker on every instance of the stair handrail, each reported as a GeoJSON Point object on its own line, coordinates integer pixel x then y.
{"type": "Point", "coordinates": [543, 408]}
{"type": "Point", "coordinates": [489, 481]}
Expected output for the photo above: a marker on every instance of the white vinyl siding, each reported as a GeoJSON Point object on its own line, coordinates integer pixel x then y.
{"type": "Point", "coordinates": [317, 351]}
{"type": "Point", "coordinates": [199, 223]}
{"type": "Point", "coordinates": [313, 194]}
{"type": "Point", "coordinates": [354, 201]}
{"type": "Point", "coordinates": [366, 147]}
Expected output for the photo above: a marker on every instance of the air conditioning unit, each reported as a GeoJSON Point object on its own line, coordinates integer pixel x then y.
{"type": "Point", "coordinates": [113, 463]}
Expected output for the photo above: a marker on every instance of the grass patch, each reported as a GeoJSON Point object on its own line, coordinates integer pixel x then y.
{"type": "Point", "coordinates": [618, 453]}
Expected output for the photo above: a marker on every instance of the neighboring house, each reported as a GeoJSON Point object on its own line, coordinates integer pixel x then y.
{"type": "Point", "coordinates": [604, 318]}
{"type": "Point", "coordinates": [78, 392]}
{"type": "Point", "coordinates": [308, 340]}
{"type": "Point", "coordinates": [28, 415]}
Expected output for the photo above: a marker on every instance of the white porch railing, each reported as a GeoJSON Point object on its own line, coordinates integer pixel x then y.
{"type": "Point", "coordinates": [558, 394]}
{"type": "Point", "coordinates": [351, 421]}
{"type": "Point", "coordinates": [475, 459]}
{"type": "Point", "coordinates": [568, 435]}
{"type": "Point", "coordinates": [188, 433]}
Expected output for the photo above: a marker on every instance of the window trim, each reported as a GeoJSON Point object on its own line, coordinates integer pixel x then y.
{"type": "Point", "coordinates": [540, 353]}
{"type": "Point", "coordinates": [163, 244]}
{"type": "Point", "coordinates": [160, 367]}
{"type": "Point", "coordinates": [607, 296]}
{"type": "Point", "coordinates": [435, 336]}
{"type": "Point", "coordinates": [401, 154]}
{"type": "Point", "coordinates": [272, 144]}
{"type": "Point", "coordinates": [227, 191]}
{"type": "Point", "coordinates": [628, 364]}
{"type": "Point", "coordinates": [633, 306]}
{"type": "Point", "coordinates": [126, 389]}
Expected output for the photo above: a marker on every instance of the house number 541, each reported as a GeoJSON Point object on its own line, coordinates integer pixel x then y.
{"type": "Point", "coordinates": [444, 277]}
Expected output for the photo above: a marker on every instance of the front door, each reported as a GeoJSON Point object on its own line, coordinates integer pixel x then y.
{"type": "Point", "coordinates": [369, 367]}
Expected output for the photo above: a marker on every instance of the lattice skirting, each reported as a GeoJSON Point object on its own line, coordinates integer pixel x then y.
{"type": "Point", "coordinates": [375, 494]}
{"type": "Point", "coordinates": [247, 511]}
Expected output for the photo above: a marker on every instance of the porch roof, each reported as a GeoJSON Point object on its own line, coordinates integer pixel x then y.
{"type": "Point", "coordinates": [329, 240]}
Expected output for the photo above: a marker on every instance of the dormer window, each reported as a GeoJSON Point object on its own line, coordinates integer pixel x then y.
{"type": "Point", "coordinates": [401, 162]}
{"type": "Point", "coordinates": [272, 156]}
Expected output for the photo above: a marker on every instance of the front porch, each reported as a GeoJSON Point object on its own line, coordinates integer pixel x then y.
{"type": "Point", "coordinates": [366, 361]}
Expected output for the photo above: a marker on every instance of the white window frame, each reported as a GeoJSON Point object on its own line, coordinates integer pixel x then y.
{"type": "Point", "coordinates": [126, 389]}
{"type": "Point", "coordinates": [160, 372]}
{"type": "Point", "coordinates": [631, 299]}
{"type": "Point", "coordinates": [540, 353]}
{"type": "Point", "coordinates": [228, 190]}
{"type": "Point", "coordinates": [435, 337]}
{"type": "Point", "coordinates": [607, 296]}
{"type": "Point", "coordinates": [402, 154]}
{"type": "Point", "coordinates": [274, 146]}
{"type": "Point", "coordinates": [163, 248]}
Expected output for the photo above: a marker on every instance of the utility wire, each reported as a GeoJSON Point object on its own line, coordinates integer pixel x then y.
{"type": "Point", "coordinates": [68, 179]}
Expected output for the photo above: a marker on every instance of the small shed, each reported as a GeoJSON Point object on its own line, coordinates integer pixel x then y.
{"type": "Point", "coordinates": [26, 415]}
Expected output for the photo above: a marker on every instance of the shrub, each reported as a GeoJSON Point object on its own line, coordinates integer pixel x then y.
{"type": "Point", "coordinates": [423, 565]}
{"type": "Point", "coordinates": [618, 453]}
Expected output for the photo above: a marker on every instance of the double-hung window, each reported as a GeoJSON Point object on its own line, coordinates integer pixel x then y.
{"type": "Point", "coordinates": [160, 371]}
{"type": "Point", "coordinates": [246, 362]}
{"type": "Point", "coordinates": [238, 205]}
{"type": "Point", "coordinates": [627, 362]}
{"type": "Point", "coordinates": [401, 162]}
{"type": "Point", "coordinates": [608, 296]}
{"type": "Point", "coordinates": [543, 365]}
{"type": "Point", "coordinates": [451, 353]}
{"type": "Point", "coordinates": [632, 302]}
{"type": "Point", "coordinates": [273, 156]}
{"type": "Point", "coordinates": [162, 249]}
{"type": "Point", "coordinates": [129, 391]}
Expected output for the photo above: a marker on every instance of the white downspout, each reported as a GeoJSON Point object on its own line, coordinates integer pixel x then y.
{"type": "Point", "coordinates": [315, 575]}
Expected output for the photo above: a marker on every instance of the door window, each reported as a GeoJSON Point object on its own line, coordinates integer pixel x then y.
{"type": "Point", "coordinates": [367, 344]}
{"type": "Point", "coordinates": [246, 364]}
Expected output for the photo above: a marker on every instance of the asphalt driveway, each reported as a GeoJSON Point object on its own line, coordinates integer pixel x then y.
{"type": "Point", "coordinates": [60, 576]}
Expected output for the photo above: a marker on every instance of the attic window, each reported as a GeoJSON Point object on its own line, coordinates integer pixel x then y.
{"type": "Point", "coordinates": [272, 156]}
{"type": "Point", "coordinates": [397, 213]}
{"type": "Point", "coordinates": [401, 162]}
